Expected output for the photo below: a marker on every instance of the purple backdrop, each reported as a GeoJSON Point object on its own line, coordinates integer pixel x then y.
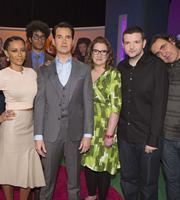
{"type": "Point", "coordinates": [174, 17]}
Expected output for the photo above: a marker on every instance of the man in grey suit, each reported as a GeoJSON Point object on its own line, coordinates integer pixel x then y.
{"type": "Point", "coordinates": [63, 113]}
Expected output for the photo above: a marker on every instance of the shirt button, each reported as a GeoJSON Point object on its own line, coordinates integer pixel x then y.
{"type": "Point", "coordinates": [128, 113]}
{"type": "Point", "coordinates": [129, 101]}
{"type": "Point", "coordinates": [60, 105]}
{"type": "Point", "coordinates": [130, 79]}
{"type": "Point", "coordinates": [129, 123]}
{"type": "Point", "coordinates": [58, 118]}
{"type": "Point", "coordinates": [129, 90]}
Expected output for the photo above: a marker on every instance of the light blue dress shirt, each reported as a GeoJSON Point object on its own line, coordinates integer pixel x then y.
{"type": "Point", "coordinates": [40, 59]}
{"type": "Point", "coordinates": [63, 71]}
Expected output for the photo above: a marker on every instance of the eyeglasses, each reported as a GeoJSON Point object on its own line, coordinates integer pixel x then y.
{"type": "Point", "coordinates": [37, 37]}
{"type": "Point", "coordinates": [102, 52]}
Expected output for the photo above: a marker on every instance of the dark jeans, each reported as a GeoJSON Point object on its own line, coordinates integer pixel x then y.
{"type": "Point", "coordinates": [171, 163]}
{"type": "Point", "coordinates": [139, 170]}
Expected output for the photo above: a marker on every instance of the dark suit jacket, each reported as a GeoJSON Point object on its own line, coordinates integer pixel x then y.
{"type": "Point", "coordinates": [2, 104]}
{"type": "Point", "coordinates": [47, 112]}
{"type": "Point", "coordinates": [2, 98]}
{"type": "Point", "coordinates": [28, 61]}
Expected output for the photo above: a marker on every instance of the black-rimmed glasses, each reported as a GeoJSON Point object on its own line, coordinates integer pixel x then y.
{"type": "Point", "coordinates": [37, 37]}
{"type": "Point", "coordinates": [102, 52]}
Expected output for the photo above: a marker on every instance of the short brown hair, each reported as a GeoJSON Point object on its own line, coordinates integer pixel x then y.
{"type": "Point", "coordinates": [134, 29]}
{"type": "Point", "coordinates": [110, 60]}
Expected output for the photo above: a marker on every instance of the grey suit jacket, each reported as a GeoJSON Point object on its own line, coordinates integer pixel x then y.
{"type": "Point", "coordinates": [47, 112]}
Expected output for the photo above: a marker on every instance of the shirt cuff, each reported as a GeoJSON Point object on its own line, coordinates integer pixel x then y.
{"type": "Point", "coordinates": [88, 135]}
{"type": "Point", "coordinates": [38, 137]}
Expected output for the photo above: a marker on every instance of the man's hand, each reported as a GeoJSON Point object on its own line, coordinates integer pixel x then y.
{"type": "Point", "coordinates": [85, 144]}
{"type": "Point", "coordinates": [108, 142]}
{"type": "Point", "coordinates": [40, 148]}
{"type": "Point", "coordinates": [149, 149]}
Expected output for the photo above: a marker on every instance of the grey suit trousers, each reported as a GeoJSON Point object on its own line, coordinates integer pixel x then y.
{"type": "Point", "coordinates": [52, 161]}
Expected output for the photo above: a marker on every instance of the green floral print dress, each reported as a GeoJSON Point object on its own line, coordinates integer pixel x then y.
{"type": "Point", "coordinates": [107, 100]}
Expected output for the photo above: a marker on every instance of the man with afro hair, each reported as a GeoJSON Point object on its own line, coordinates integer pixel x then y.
{"type": "Point", "coordinates": [37, 33]}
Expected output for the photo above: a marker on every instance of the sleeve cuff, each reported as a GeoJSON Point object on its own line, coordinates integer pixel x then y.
{"type": "Point", "coordinates": [88, 135]}
{"type": "Point", "coordinates": [38, 137]}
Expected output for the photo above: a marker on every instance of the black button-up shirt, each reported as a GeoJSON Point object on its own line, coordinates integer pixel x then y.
{"type": "Point", "coordinates": [144, 99]}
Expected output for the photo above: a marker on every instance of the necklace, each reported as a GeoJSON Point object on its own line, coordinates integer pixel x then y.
{"type": "Point", "coordinates": [21, 70]}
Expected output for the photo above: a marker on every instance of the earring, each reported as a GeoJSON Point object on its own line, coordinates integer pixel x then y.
{"type": "Point", "coordinates": [7, 59]}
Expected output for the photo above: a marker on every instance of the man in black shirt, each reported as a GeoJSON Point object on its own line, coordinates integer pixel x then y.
{"type": "Point", "coordinates": [167, 47]}
{"type": "Point", "coordinates": [144, 98]}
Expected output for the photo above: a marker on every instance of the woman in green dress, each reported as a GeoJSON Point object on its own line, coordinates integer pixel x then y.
{"type": "Point", "coordinates": [102, 160]}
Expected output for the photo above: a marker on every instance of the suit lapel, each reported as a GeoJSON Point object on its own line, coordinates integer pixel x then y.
{"type": "Point", "coordinates": [73, 78]}
{"type": "Point", "coordinates": [31, 60]}
{"type": "Point", "coordinates": [45, 57]}
{"type": "Point", "coordinates": [28, 61]}
{"type": "Point", "coordinates": [54, 77]}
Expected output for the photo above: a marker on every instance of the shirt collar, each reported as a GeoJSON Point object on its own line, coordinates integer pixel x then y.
{"type": "Point", "coordinates": [35, 54]}
{"type": "Point", "coordinates": [177, 62]}
{"type": "Point", "coordinates": [59, 62]}
{"type": "Point", "coordinates": [142, 59]}
{"type": "Point", "coordinates": [174, 67]}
